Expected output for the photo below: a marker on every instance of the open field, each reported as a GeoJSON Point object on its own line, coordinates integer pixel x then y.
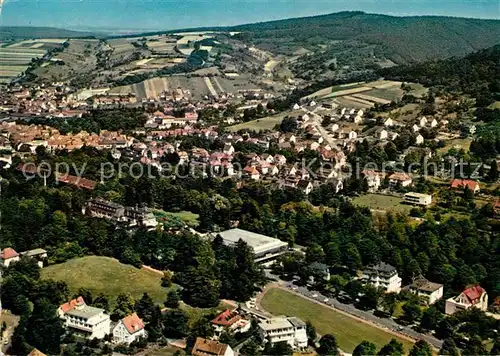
{"type": "Point", "coordinates": [348, 331]}
{"type": "Point", "coordinates": [15, 58]}
{"type": "Point", "coordinates": [186, 217]}
{"type": "Point", "coordinates": [458, 144]}
{"type": "Point", "coordinates": [266, 123]}
{"type": "Point", "coordinates": [107, 275]}
{"type": "Point", "coordinates": [382, 202]}
{"type": "Point", "coordinates": [166, 351]}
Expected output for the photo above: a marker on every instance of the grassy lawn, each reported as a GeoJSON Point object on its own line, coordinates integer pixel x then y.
{"type": "Point", "coordinates": [266, 123]}
{"type": "Point", "coordinates": [187, 217]}
{"type": "Point", "coordinates": [348, 331]}
{"type": "Point", "coordinates": [457, 144]}
{"type": "Point", "coordinates": [166, 351]}
{"type": "Point", "coordinates": [495, 105]}
{"type": "Point", "coordinates": [107, 275]}
{"type": "Point", "coordinates": [382, 202]}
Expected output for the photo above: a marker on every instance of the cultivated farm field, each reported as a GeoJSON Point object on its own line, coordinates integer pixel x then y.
{"type": "Point", "coordinates": [15, 58]}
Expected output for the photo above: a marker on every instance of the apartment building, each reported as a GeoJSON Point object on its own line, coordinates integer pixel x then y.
{"type": "Point", "coordinates": [290, 330]}
{"type": "Point", "coordinates": [84, 320]}
{"type": "Point", "coordinates": [418, 199]}
{"type": "Point", "coordinates": [383, 276]}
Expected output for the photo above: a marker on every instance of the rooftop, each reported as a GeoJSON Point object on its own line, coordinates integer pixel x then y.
{"type": "Point", "coordinates": [204, 347]}
{"type": "Point", "coordinates": [382, 267]}
{"type": "Point", "coordinates": [421, 283]}
{"type": "Point", "coordinates": [296, 322]}
{"type": "Point", "coordinates": [85, 312]}
{"type": "Point", "coordinates": [35, 252]}
{"type": "Point", "coordinates": [275, 323]}
{"type": "Point", "coordinates": [259, 243]}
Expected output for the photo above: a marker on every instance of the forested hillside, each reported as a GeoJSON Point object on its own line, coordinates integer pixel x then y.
{"type": "Point", "coordinates": [10, 33]}
{"type": "Point", "coordinates": [401, 39]}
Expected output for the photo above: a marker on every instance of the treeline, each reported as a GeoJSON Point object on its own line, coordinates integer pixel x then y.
{"type": "Point", "coordinates": [96, 120]}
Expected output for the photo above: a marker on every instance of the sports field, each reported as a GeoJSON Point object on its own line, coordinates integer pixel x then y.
{"type": "Point", "coordinates": [348, 331]}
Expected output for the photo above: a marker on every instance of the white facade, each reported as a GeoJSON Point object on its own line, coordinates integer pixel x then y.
{"type": "Point", "coordinates": [426, 290]}
{"type": "Point", "coordinates": [474, 297]}
{"type": "Point", "coordinates": [290, 330]}
{"type": "Point", "coordinates": [122, 335]}
{"type": "Point", "coordinates": [418, 199]}
{"type": "Point", "coordinates": [419, 140]}
{"type": "Point", "coordinates": [89, 321]}
{"type": "Point", "coordinates": [383, 276]}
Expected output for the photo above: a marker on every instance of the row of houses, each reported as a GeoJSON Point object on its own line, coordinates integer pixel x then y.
{"type": "Point", "coordinates": [8, 256]}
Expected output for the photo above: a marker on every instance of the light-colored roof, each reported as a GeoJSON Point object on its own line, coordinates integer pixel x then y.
{"type": "Point", "coordinates": [35, 252]}
{"type": "Point", "coordinates": [418, 195]}
{"type": "Point", "coordinates": [86, 312]}
{"type": "Point", "coordinates": [275, 323]}
{"type": "Point", "coordinates": [296, 322]}
{"type": "Point", "coordinates": [259, 243]}
{"type": "Point", "coordinates": [421, 283]}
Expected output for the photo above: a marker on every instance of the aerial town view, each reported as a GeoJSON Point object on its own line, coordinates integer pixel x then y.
{"type": "Point", "coordinates": [249, 178]}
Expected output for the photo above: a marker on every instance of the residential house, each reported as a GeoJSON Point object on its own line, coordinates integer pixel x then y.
{"type": "Point", "coordinates": [389, 122]}
{"type": "Point", "coordinates": [230, 320]}
{"type": "Point", "coordinates": [422, 121]}
{"type": "Point", "coordinates": [204, 347]}
{"type": "Point", "coordinates": [400, 179]}
{"type": "Point", "coordinates": [290, 330]}
{"type": "Point", "coordinates": [280, 160]}
{"type": "Point", "coordinates": [415, 128]}
{"type": "Point", "coordinates": [383, 276]}
{"type": "Point", "coordinates": [39, 254]}
{"type": "Point", "coordinates": [129, 329]}
{"type": "Point", "coordinates": [372, 179]}
{"type": "Point", "coordinates": [228, 149]}
{"type": "Point", "coordinates": [333, 127]}
{"type": "Point", "coordinates": [305, 186]}
{"type": "Point", "coordinates": [267, 158]}
{"type": "Point", "coordinates": [358, 119]}
{"type": "Point", "coordinates": [434, 123]}
{"type": "Point", "coordinates": [251, 172]}
{"type": "Point", "coordinates": [8, 255]}
{"type": "Point", "coordinates": [419, 140]}
{"type": "Point", "coordinates": [460, 184]}
{"type": "Point", "coordinates": [318, 271]}
{"type": "Point", "coordinates": [84, 320]}
{"type": "Point", "coordinates": [381, 134]}
{"type": "Point", "coordinates": [471, 297]}
{"type": "Point", "coordinates": [430, 292]}
{"type": "Point", "coordinates": [326, 172]}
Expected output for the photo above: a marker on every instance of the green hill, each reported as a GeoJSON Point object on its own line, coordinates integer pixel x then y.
{"type": "Point", "coordinates": [107, 275]}
{"type": "Point", "coordinates": [400, 39]}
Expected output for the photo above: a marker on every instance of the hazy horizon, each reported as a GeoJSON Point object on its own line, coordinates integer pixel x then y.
{"type": "Point", "coordinates": [152, 15]}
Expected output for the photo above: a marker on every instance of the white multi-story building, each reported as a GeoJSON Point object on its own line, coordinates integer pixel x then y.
{"type": "Point", "coordinates": [472, 297]}
{"type": "Point", "coordinates": [383, 276]}
{"type": "Point", "coordinates": [230, 320]}
{"type": "Point", "coordinates": [128, 330]}
{"type": "Point", "coordinates": [418, 198]}
{"type": "Point", "coordinates": [290, 330]}
{"type": "Point", "coordinates": [429, 291]}
{"type": "Point", "coordinates": [90, 322]}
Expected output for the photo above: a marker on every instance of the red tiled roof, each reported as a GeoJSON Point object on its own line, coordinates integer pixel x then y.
{"type": "Point", "coordinates": [226, 318]}
{"type": "Point", "coordinates": [66, 307]}
{"type": "Point", "coordinates": [204, 347]}
{"type": "Point", "coordinates": [133, 323]}
{"type": "Point", "coordinates": [474, 293]}
{"type": "Point", "coordinates": [462, 183]}
{"type": "Point", "coordinates": [400, 176]}
{"type": "Point", "coordinates": [251, 170]}
{"type": "Point", "coordinates": [77, 181]}
{"type": "Point", "coordinates": [8, 253]}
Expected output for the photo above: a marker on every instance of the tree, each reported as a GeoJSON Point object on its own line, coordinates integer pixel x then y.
{"type": "Point", "coordinates": [175, 323]}
{"type": "Point", "coordinates": [311, 332]}
{"type": "Point", "coordinates": [289, 124]}
{"type": "Point", "coordinates": [85, 294]}
{"type": "Point", "coordinates": [412, 311]}
{"type": "Point", "coordinates": [365, 348]}
{"type": "Point", "coordinates": [145, 307]}
{"type": "Point", "coordinates": [370, 297]}
{"type": "Point", "coordinates": [431, 318]}
{"type": "Point", "coordinates": [393, 348]}
{"type": "Point", "coordinates": [281, 348]}
{"type": "Point", "coordinates": [101, 301]}
{"type": "Point", "coordinates": [173, 299]}
{"type": "Point", "coordinates": [251, 348]}
{"type": "Point", "coordinates": [389, 303]}
{"type": "Point", "coordinates": [475, 347]}
{"type": "Point", "coordinates": [493, 173]}
{"type": "Point", "coordinates": [449, 348]}
{"type": "Point", "coordinates": [495, 350]}
{"type": "Point", "coordinates": [123, 307]}
{"type": "Point", "coordinates": [328, 346]}
{"type": "Point", "coordinates": [421, 348]}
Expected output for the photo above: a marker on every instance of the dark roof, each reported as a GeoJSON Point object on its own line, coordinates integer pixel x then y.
{"type": "Point", "coordinates": [383, 268]}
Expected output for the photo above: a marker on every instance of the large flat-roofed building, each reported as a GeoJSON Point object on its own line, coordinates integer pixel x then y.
{"type": "Point", "coordinates": [279, 329]}
{"type": "Point", "coordinates": [265, 248]}
{"type": "Point", "coordinates": [418, 198]}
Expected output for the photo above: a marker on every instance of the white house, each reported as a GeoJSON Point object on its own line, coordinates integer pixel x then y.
{"type": "Point", "coordinates": [422, 121]}
{"type": "Point", "coordinates": [429, 291]}
{"type": "Point", "coordinates": [358, 119]}
{"type": "Point", "coordinates": [415, 128]}
{"type": "Point", "coordinates": [472, 297]}
{"type": "Point", "coordinates": [434, 123]}
{"type": "Point", "coordinates": [372, 179]}
{"type": "Point", "coordinates": [399, 178]}
{"type": "Point", "coordinates": [290, 330]}
{"type": "Point", "coordinates": [389, 122]}
{"type": "Point", "coordinates": [419, 140]}
{"type": "Point", "coordinates": [7, 256]}
{"type": "Point", "coordinates": [129, 329]}
{"type": "Point", "coordinates": [383, 276]}
{"type": "Point", "coordinates": [382, 135]}
{"type": "Point", "coordinates": [90, 322]}
{"type": "Point", "coordinates": [228, 149]}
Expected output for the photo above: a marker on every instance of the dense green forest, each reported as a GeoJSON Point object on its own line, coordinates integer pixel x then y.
{"type": "Point", "coordinates": [401, 39]}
